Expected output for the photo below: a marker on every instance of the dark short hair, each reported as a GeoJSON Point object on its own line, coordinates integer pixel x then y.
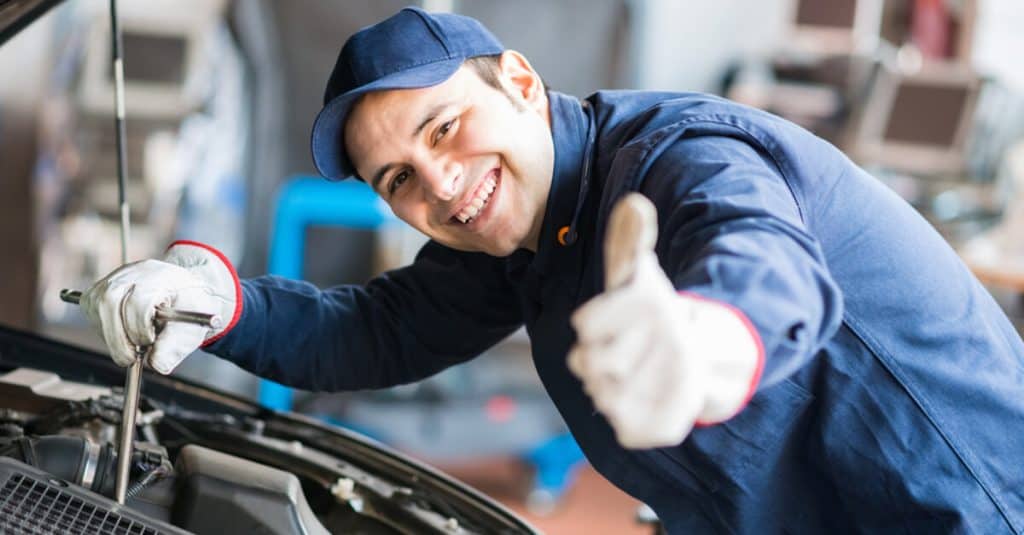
{"type": "Point", "coordinates": [488, 68]}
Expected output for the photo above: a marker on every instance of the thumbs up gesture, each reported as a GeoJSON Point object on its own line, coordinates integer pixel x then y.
{"type": "Point", "coordinates": [656, 362]}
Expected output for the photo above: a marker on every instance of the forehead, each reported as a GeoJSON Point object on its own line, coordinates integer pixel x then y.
{"type": "Point", "coordinates": [382, 120]}
{"type": "Point", "coordinates": [389, 107]}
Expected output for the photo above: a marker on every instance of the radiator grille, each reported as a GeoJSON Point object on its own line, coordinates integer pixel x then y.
{"type": "Point", "coordinates": [29, 506]}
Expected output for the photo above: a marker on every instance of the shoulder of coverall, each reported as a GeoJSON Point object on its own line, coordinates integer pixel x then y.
{"type": "Point", "coordinates": [635, 127]}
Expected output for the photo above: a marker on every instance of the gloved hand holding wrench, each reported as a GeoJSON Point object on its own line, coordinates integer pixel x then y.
{"type": "Point", "coordinates": [134, 309]}
{"type": "Point", "coordinates": [131, 306]}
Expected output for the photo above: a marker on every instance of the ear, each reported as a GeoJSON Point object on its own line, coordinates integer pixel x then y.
{"type": "Point", "coordinates": [521, 79]}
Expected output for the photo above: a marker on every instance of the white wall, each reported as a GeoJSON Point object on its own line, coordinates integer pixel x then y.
{"type": "Point", "coordinates": [999, 41]}
{"type": "Point", "coordinates": [25, 61]}
{"type": "Point", "coordinates": [686, 44]}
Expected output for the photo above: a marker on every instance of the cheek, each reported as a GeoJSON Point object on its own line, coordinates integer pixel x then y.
{"type": "Point", "coordinates": [479, 136]}
{"type": "Point", "coordinates": [416, 215]}
{"type": "Point", "coordinates": [492, 126]}
{"type": "Point", "coordinates": [408, 213]}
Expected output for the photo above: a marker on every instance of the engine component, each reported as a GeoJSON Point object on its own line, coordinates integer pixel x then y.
{"type": "Point", "coordinates": [32, 501]}
{"type": "Point", "coordinates": [71, 459]}
{"type": "Point", "coordinates": [25, 389]}
{"type": "Point", "coordinates": [224, 494]}
{"type": "Point", "coordinates": [78, 461]}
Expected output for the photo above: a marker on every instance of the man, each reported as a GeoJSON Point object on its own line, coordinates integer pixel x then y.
{"type": "Point", "coordinates": [799, 352]}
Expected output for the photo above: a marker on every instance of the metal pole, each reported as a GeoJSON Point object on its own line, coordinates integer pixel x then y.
{"type": "Point", "coordinates": [134, 375]}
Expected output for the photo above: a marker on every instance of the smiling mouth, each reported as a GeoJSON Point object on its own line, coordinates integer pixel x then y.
{"type": "Point", "coordinates": [475, 207]}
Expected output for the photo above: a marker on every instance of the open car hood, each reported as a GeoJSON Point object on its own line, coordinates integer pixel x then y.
{"type": "Point", "coordinates": [16, 14]}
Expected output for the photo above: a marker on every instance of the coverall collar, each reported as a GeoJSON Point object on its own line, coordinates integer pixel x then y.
{"type": "Point", "coordinates": [572, 133]}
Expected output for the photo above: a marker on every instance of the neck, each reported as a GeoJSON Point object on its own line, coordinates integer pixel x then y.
{"type": "Point", "coordinates": [533, 237]}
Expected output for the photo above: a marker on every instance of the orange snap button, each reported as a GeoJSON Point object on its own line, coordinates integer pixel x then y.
{"type": "Point", "coordinates": [562, 232]}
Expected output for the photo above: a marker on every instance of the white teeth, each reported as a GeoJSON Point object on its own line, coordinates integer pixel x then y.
{"type": "Point", "coordinates": [476, 205]}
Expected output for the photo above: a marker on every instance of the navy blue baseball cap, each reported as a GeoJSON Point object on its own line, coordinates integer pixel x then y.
{"type": "Point", "coordinates": [410, 49]}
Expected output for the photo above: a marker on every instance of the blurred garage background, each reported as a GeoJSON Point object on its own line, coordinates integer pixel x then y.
{"type": "Point", "coordinates": [221, 94]}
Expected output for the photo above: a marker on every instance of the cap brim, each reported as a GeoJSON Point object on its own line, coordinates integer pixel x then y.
{"type": "Point", "coordinates": [327, 143]}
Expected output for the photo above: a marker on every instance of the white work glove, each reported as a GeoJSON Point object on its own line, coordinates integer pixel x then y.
{"type": "Point", "coordinates": [656, 362]}
{"type": "Point", "coordinates": [192, 277]}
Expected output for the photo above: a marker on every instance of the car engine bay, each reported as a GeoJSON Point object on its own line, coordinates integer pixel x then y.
{"type": "Point", "coordinates": [203, 462]}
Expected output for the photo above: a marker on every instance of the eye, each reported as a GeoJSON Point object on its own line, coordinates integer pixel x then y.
{"type": "Point", "coordinates": [443, 130]}
{"type": "Point", "coordinates": [397, 181]}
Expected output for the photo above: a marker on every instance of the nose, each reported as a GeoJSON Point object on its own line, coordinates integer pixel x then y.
{"type": "Point", "coordinates": [441, 178]}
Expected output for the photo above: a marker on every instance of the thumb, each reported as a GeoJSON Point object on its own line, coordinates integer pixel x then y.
{"type": "Point", "coordinates": [176, 341]}
{"type": "Point", "coordinates": [632, 231]}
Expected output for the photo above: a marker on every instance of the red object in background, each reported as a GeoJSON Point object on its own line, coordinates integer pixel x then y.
{"type": "Point", "coordinates": [931, 28]}
{"type": "Point", "coordinates": [500, 408]}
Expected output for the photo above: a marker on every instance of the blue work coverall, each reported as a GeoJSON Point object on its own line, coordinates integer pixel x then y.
{"type": "Point", "coordinates": [892, 396]}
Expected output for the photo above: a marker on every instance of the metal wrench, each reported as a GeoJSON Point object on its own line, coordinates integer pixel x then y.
{"type": "Point", "coordinates": [134, 382]}
{"type": "Point", "coordinates": [163, 313]}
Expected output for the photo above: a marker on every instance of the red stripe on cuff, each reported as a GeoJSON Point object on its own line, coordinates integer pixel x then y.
{"type": "Point", "coordinates": [234, 275]}
{"type": "Point", "coordinates": [755, 378]}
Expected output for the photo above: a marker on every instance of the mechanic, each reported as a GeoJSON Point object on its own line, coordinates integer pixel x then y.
{"type": "Point", "coordinates": [800, 352]}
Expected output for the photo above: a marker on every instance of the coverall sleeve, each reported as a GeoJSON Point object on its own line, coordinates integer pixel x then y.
{"type": "Point", "coordinates": [731, 230]}
{"type": "Point", "coordinates": [404, 325]}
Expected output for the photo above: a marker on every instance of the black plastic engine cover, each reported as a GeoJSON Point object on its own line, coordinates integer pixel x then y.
{"type": "Point", "coordinates": [227, 495]}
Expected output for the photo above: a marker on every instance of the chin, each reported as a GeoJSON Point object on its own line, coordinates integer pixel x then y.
{"type": "Point", "coordinates": [491, 250]}
{"type": "Point", "coordinates": [501, 248]}
{"type": "Point", "coordinates": [499, 251]}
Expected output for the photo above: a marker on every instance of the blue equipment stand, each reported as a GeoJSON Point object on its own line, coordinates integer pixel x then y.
{"type": "Point", "coordinates": [304, 201]}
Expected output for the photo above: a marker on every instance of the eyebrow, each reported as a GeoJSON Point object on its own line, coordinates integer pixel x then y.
{"type": "Point", "coordinates": [431, 114]}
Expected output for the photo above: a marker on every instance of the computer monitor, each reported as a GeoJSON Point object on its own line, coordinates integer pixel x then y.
{"type": "Point", "coordinates": [163, 45]}
{"type": "Point", "coordinates": [834, 14]}
{"type": "Point", "coordinates": [918, 123]}
{"type": "Point", "coordinates": [164, 58]}
{"type": "Point", "coordinates": [834, 27]}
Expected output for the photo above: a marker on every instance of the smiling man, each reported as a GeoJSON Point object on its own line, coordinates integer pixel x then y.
{"type": "Point", "coordinates": [464, 162]}
{"type": "Point", "coordinates": [795, 350]}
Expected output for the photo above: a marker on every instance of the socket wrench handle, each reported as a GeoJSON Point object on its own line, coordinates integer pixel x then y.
{"type": "Point", "coordinates": [163, 313]}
